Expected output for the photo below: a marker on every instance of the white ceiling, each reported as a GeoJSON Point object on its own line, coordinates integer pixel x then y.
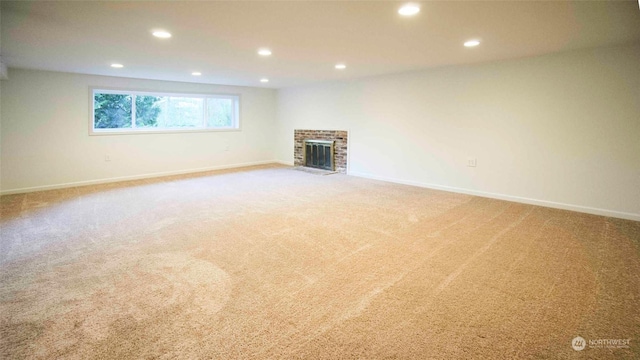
{"type": "Point", "coordinates": [221, 38]}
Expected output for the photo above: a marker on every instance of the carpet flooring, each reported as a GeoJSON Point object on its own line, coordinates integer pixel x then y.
{"type": "Point", "coordinates": [272, 263]}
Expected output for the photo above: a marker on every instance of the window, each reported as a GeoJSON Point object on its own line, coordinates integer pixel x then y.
{"type": "Point", "coordinates": [122, 111]}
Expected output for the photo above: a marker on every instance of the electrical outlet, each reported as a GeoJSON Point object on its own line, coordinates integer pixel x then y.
{"type": "Point", "coordinates": [107, 157]}
{"type": "Point", "coordinates": [226, 148]}
{"type": "Point", "coordinates": [471, 162]}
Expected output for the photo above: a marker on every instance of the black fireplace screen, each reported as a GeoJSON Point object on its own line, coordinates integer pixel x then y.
{"type": "Point", "coordinates": [319, 154]}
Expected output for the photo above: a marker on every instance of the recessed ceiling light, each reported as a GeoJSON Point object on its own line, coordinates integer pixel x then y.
{"type": "Point", "coordinates": [471, 43]}
{"type": "Point", "coordinates": [409, 9]}
{"type": "Point", "coordinates": [341, 66]}
{"type": "Point", "coordinates": [264, 80]}
{"type": "Point", "coordinates": [196, 73]}
{"type": "Point", "coordinates": [117, 66]}
{"type": "Point", "coordinates": [161, 34]}
{"type": "Point", "coordinates": [264, 52]}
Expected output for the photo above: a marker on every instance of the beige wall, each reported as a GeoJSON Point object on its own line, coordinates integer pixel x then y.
{"type": "Point", "coordinates": [45, 141]}
{"type": "Point", "coordinates": [1, 106]}
{"type": "Point", "coordinates": [560, 130]}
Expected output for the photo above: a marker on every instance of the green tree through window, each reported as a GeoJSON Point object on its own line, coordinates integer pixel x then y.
{"type": "Point", "coordinates": [122, 111]}
{"type": "Point", "coordinates": [112, 111]}
{"type": "Point", "coordinates": [147, 111]}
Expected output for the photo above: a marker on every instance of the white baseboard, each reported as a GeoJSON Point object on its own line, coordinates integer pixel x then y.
{"type": "Point", "coordinates": [133, 177]}
{"type": "Point", "coordinates": [551, 204]}
{"type": "Point", "coordinates": [282, 162]}
{"type": "Point", "coordinates": [545, 203]}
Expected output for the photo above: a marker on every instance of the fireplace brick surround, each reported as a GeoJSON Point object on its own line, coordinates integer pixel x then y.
{"type": "Point", "coordinates": [340, 148]}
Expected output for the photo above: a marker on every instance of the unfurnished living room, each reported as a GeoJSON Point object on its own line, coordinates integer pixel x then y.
{"type": "Point", "coordinates": [320, 180]}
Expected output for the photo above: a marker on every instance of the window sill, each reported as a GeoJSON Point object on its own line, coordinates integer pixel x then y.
{"type": "Point", "coordinates": [159, 131]}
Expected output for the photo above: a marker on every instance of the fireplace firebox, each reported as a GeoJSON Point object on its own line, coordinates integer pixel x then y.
{"type": "Point", "coordinates": [319, 154]}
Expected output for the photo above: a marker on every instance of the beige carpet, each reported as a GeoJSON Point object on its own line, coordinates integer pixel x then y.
{"type": "Point", "coordinates": [270, 262]}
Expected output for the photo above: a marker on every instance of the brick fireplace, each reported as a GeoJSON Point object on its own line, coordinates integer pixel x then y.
{"type": "Point", "coordinates": [340, 146]}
